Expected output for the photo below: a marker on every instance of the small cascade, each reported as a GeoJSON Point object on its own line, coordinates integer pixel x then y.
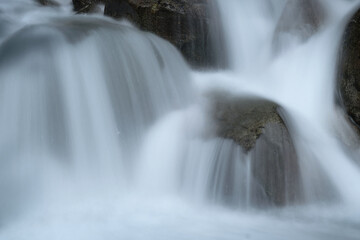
{"type": "Point", "coordinates": [77, 97]}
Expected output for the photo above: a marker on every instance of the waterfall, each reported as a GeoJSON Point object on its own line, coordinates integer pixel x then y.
{"type": "Point", "coordinates": [107, 132]}
{"type": "Point", "coordinates": [300, 78]}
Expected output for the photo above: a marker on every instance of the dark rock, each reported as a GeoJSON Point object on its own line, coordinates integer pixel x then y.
{"type": "Point", "coordinates": [120, 9]}
{"type": "Point", "coordinates": [86, 6]}
{"type": "Point", "coordinates": [258, 127]}
{"type": "Point", "coordinates": [349, 71]}
{"type": "Point", "coordinates": [188, 24]}
{"type": "Point", "coordinates": [244, 120]}
{"type": "Point", "coordinates": [48, 3]}
{"type": "Point", "coordinates": [300, 19]}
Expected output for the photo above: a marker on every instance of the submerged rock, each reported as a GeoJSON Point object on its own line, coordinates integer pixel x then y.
{"type": "Point", "coordinates": [299, 19]}
{"type": "Point", "coordinates": [349, 70]}
{"type": "Point", "coordinates": [257, 126]}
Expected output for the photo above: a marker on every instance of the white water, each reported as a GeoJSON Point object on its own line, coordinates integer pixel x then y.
{"type": "Point", "coordinates": [105, 132]}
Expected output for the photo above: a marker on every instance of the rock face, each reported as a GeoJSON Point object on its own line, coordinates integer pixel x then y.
{"type": "Point", "coordinates": [300, 19]}
{"type": "Point", "coordinates": [121, 9]}
{"type": "Point", "coordinates": [187, 24]}
{"type": "Point", "coordinates": [349, 70]}
{"type": "Point", "coordinates": [256, 125]}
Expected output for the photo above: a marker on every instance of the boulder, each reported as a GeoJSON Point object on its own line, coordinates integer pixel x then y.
{"type": "Point", "coordinates": [349, 71]}
{"type": "Point", "coordinates": [244, 120]}
{"type": "Point", "coordinates": [187, 24]}
{"type": "Point", "coordinates": [258, 127]}
{"type": "Point", "coordinates": [299, 19]}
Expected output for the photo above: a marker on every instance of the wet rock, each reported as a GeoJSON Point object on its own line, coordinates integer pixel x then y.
{"type": "Point", "coordinates": [299, 19]}
{"type": "Point", "coordinates": [188, 24]}
{"type": "Point", "coordinates": [48, 3]}
{"type": "Point", "coordinates": [86, 6]}
{"type": "Point", "coordinates": [258, 127]}
{"type": "Point", "coordinates": [349, 71]}
{"type": "Point", "coordinates": [121, 9]}
{"type": "Point", "coordinates": [244, 120]}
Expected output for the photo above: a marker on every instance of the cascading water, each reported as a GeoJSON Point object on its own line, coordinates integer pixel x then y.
{"type": "Point", "coordinates": [106, 132]}
{"type": "Point", "coordinates": [301, 79]}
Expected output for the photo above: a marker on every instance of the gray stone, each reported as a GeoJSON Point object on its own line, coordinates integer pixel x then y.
{"type": "Point", "coordinates": [258, 127]}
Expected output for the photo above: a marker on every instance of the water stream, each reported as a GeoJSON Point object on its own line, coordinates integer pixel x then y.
{"type": "Point", "coordinates": [105, 131]}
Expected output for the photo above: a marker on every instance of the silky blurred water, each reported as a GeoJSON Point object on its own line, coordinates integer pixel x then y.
{"type": "Point", "coordinates": [105, 131]}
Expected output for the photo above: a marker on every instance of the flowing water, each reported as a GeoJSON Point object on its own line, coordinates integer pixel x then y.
{"type": "Point", "coordinates": [105, 132]}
